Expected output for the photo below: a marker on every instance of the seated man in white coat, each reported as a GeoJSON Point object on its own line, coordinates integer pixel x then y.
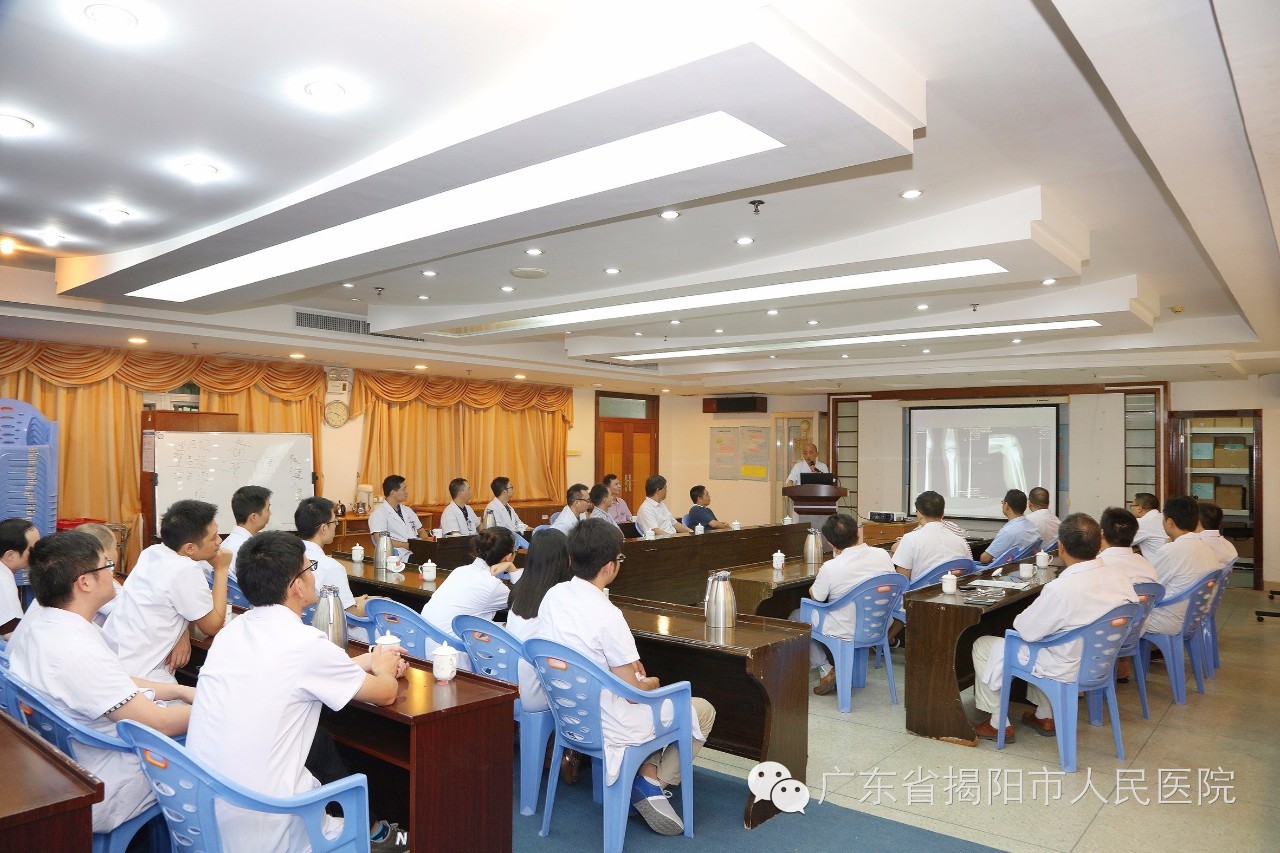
{"type": "Point", "coordinates": [315, 523]}
{"type": "Point", "coordinates": [579, 615]}
{"type": "Point", "coordinates": [1151, 536]}
{"type": "Point", "coordinates": [501, 510]}
{"type": "Point", "coordinates": [1039, 514]}
{"type": "Point", "coordinates": [1119, 526]}
{"type": "Point", "coordinates": [1211, 533]}
{"type": "Point", "coordinates": [653, 514]}
{"type": "Point", "coordinates": [392, 516]}
{"type": "Point", "coordinates": [1086, 590]}
{"type": "Point", "coordinates": [853, 563]}
{"type": "Point", "coordinates": [458, 518]}
{"type": "Point", "coordinates": [251, 508]}
{"type": "Point", "coordinates": [17, 535]}
{"type": "Point", "coordinates": [59, 653]}
{"type": "Point", "coordinates": [1181, 563]}
{"type": "Point", "coordinates": [261, 688]}
{"type": "Point", "coordinates": [932, 543]}
{"type": "Point", "coordinates": [577, 500]}
{"type": "Point", "coordinates": [167, 591]}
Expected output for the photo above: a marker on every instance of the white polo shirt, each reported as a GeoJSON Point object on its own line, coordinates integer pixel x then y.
{"type": "Point", "coordinates": [402, 523]}
{"type": "Point", "coordinates": [565, 521]}
{"type": "Point", "coordinates": [232, 543]}
{"type": "Point", "coordinates": [532, 696]}
{"type": "Point", "coordinates": [842, 573]}
{"type": "Point", "coordinates": [256, 712]}
{"type": "Point", "coordinates": [1046, 524]}
{"type": "Point", "coordinates": [10, 602]}
{"type": "Point", "coordinates": [655, 516]}
{"type": "Point", "coordinates": [1213, 538]}
{"type": "Point", "coordinates": [930, 545]}
{"type": "Point", "coordinates": [579, 615]}
{"type": "Point", "coordinates": [802, 467]}
{"type": "Point", "coordinates": [163, 593]}
{"type": "Point", "coordinates": [72, 664]}
{"type": "Point", "coordinates": [504, 515]}
{"type": "Point", "coordinates": [1179, 565]}
{"type": "Point", "coordinates": [1135, 566]}
{"type": "Point", "coordinates": [1151, 537]}
{"type": "Point", "coordinates": [469, 589]}
{"type": "Point", "coordinates": [459, 519]}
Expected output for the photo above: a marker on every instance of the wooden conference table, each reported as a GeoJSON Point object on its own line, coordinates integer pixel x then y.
{"type": "Point", "coordinates": [439, 759]}
{"type": "Point", "coordinates": [47, 799]}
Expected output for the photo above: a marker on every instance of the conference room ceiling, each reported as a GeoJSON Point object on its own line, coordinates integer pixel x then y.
{"type": "Point", "coordinates": [1113, 150]}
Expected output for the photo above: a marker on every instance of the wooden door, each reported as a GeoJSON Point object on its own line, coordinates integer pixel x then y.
{"type": "Point", "coordinates": [628, 447]}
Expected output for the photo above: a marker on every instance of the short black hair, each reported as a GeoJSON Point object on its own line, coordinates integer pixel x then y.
{"type": "Point", "coordinates": [247, 500]}
{"type": "Point", "coordinates": [1146, 500]}
{"type": "Point", "coordinates": [1016, 500]}
{"type": "Point", "coordinates": [1080, 536]}
{"type": "Point", "coordinates": [57, 561]}
{"type": "Point", "coordinates": [696, 493]}
{"type": "Point", "coordinates": [654, 484]}
{"type": "Point", "coordinates": [546, 565]}
{"type": "Point", "coordinates": [186, 522]}
{"type": "Point", "coordinates": [577, 489]}
{"type": "Point", "coordinates": [390, 484]}
{"type": "Point", "coordinates": [609, 478]}
{"type": "Point", "coordinates": [1119, 526]}
{"type": "Point", "coordinates": [310, 515]}
{"type": "Point", "coordinates": [1183, 512]}
{"type": "Point", "coordinates": [1039, 496]}
{"type": "Point", "coordinates": [267, 564]}
{"type": "Point", "coordinates": [930, 504]}
{"type": "Point", "coordinates": [13, 535]}
{"type": "Point", "coordinates": [598, 493]}
{"type": "Point", "coordinates": [841, 531]}
{"type": "Point", "coordinates": [492, 544]}
{"type": "Point", "coordinates": [456, 486]}
{"type": "Point", "coordinates": [592, 545]}
{"type": "Point", "coordinates": [499, 485]}
{"type": "Point", "coordinates": [1210, 516]}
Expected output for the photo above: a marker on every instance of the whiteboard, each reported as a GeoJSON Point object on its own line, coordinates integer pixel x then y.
{"type": "Point", "coordinates": [210, 466]}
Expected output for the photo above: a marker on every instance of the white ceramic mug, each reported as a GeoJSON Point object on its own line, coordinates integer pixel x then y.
{"type": "Point", "coordinates": [1042, 559]}
{"type": "Point", "coordinates": [386, 641]}
{"type": "Point", "coordinates": [394, 563]}
{"type": "Point", "coordinates": [736, 526]}
{"type": "Point", "coordinates": [438, 532]}
{"type": "Point", "coordinates": [1026, 571]}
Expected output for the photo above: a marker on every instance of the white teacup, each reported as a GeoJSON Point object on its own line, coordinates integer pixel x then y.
{"type": "Point", "coordinates": [949, 583]}
{"type": "Point", "coordinates": [1026, 571]}
{"type": "Point", "coordinates": [386, 641]}
{"type": "Point", "coordinates": [437, 532]}
{"type": "Point", "coordinates": [1042, 559]}
{"type": "Point", "coordinates": [395, 563]}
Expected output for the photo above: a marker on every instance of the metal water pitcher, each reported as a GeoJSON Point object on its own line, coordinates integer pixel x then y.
{"type": "Point", "coordinates": [721, 607]}
{"type": "Point", "coordinates": [382, 549]}
{"type": "Point", "coordinates": [329, 618]}
{"type": "Point", "coordinates": [490, 520]}
{"type": "Point", "coordinates": [813, 547]}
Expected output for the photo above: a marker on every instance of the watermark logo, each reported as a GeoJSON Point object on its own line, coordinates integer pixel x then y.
{"type": "Point", "coordinates": [771, 781]}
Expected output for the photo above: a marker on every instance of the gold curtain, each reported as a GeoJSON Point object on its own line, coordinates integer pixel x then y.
{"type": "Point", "coordinates": [432, 430]}
{"type": "Point", "coordinates": [95, 394]}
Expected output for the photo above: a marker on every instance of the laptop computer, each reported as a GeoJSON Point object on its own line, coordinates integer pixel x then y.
{"type": "Point", "coordinates": [817, 480]}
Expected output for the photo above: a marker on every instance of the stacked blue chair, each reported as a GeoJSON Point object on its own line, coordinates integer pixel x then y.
{"type": "Point", "coordinates": [1212, 661]}
{"type": "Point", "coordinates": [876, 600]}
{"type": "Point", "coordinates": [574, 684]}
{"type": "Point", "coordinates": [39, 715]}
{"type": "Point", "coordinates": [392, 617]}
{"type": "Point", "coordinates": [497, 654]}
{"type": "Point", "coordinates": [1102, 641]}
{"type": "Point", "coordinates": [187, 791]}
{"type": "Point", "coordinates": [1199, 597]}
{"type": "Point", "coordinates": [28, 465]}
{"type": "Point", "coordinates": [1149, 595]}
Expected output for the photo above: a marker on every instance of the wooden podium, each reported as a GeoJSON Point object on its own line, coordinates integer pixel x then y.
{"type": "Point", "coordinates": [815, 500]}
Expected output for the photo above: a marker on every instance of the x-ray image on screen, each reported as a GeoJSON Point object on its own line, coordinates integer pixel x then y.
{"type": "Point", "coordinates": [973, 456]}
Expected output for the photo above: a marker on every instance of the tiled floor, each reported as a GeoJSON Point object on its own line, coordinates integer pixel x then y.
{"type": "Point", "coordinates": [1233, 728]}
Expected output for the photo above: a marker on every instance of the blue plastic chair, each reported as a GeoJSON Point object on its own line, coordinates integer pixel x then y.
{"type": "Point", "coordinates": [1210, 625]}
{"type": "Point", "coordinates": [496, 653]}
{"type": "Point", "coordinates": [554, 516]}
{"type": "Point", "coordinates": [573, 686]}
{"type": "Point", "coordinates": [1027, 552]}
{"type": "Point", "coordinates": [540, 528]}
{"type": "Point", "coordinates": [4, 654]}
{"type": "Point", "coordinates": [933, 576]}
{"type": "Point", "coordinates": [876, 600]}
{"type": "Point", "coordinates": [235, 596]}
{"type": "Point", "coordinates": [1149, 595]}
{"type": "Point", "coordinates": [392, 617]}
{"type": "Point", "coordinates": [1102, 641]}
{"type": "Point", "coordinates": [38, 714]}
{"type": "Point", "coordinates": [1199, 597]}
{"type": "Point", "coordinates": [1051, 547]}
{"type": "Point", "coordinates": [1004, 559]}
{"type": "Point", "coordinates": [187, 790]}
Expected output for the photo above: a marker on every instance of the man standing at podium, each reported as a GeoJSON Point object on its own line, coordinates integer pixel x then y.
{"type": "Point", "coordinates": [809, 465]}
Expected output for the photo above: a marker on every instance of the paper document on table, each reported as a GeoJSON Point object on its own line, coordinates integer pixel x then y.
{"type": "Point", "coordinates": [1004, 584]}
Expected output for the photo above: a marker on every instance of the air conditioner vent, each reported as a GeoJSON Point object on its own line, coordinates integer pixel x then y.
{"type": "Point", "coordinates": [346, 325]}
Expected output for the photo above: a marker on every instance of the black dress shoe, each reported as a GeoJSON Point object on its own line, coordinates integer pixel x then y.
{"type": "Point", "coordinates": [569, 765]}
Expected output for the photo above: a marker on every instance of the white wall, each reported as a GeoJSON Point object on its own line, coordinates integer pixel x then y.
{"type": "Point", "coordinates": [1095, 460]}
{"type": "Point", "coordinates": [580, 467]}
{"type": "Point", "coordinates": [880, 456]}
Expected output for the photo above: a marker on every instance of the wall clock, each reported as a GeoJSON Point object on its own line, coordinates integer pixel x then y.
{"type": "Point", "coordinates": [336, 413]}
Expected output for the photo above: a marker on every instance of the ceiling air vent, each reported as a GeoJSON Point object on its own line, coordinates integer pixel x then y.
{"type": "Point", "coordinates": [346, 325]}
{"type": "Point", "coordinates": [653, 365]}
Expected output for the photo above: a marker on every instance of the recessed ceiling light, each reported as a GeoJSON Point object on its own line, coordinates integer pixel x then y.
{"type": "Point", "coordinates": [846, 355]}
{"type": "Point", "coordinates": [666, 390]}
{"type": "Point", "coordinates": [813, 322]}
{"type": "Point", "coordinates": [110, 19]}
{"type": "Point", "coordinates": [744, 241]}
{"type": "Point", "coordinates": [137, 340]}
{"type": "Point", "coordinates": [926, 350]}
{"type": "Point", "coordinates": [1017, 340]}
{"type": "Point", "coordinates": [612, 270]}
{"type": "Point", "coordinates": [198, 171]}
{"type": "Point", "coordinates": [888, 337]}
{"type": "Point", "coordinates": [910, 194]}
{"type": "Point", "coordinates": [419, 367]}
{"type": "Point", "coordinates": [773, 356]}
{"type": "Point", "coordinates": [675, 322]}
{"type": "Point", "coordinates": [597, 384]}
{"type": "Point", "coordinates": [669, 214]}
{"type": "Point", "coordinates": [355, 299]}
{"type": "Point", "coordinates": [506, 288]}
{"type": "Point", "coordinates": [7, 245]}
{"type": "Point", "coordinates": [325, 91]}
{"type": "Point", "coordinates": [11, 125]}
{"type": "Point", "coordinates": [347, 284]}
{"type": "Point", "coordinates": [429, 273]}
{"type": "Point", "coordinates": [1049, 281]}
{"type": "Point", "coordinates": [519, 376]}
{"type": "Point", "coordinates": [423, 297]}
{"type": "Point", "coordinates": [638, 334]}
{"type": "Point", "coordinates": [113, 215]}
{"type": "Point", "coordinates": [534, 252]}
{"type": "Point", "coordinates": [719, 331]}
{"type": "Point", "coordinates": [296, 355]}
{"type": "Point", "coordinates": [922, 307]}
{"type": "Point", "coordinates": [772, 312]}
{"type": "Point", "coordinates": [50, 237]}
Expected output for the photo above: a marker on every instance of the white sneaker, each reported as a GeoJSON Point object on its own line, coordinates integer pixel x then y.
{"type": "Point", "coordinates": [657, 812]}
